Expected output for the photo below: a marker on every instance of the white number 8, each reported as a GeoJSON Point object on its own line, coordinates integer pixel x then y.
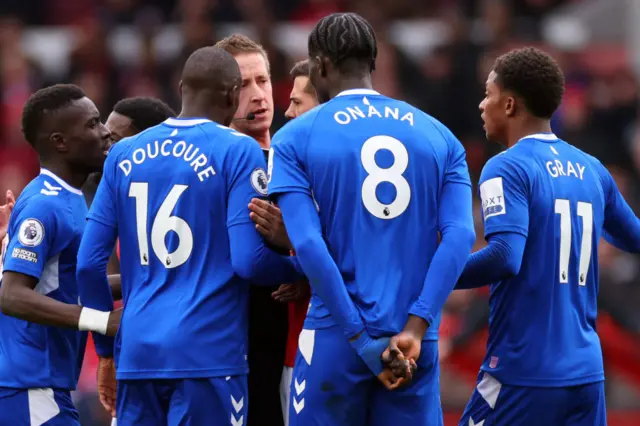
{"type": "Point", "coordinates": [377, 175]}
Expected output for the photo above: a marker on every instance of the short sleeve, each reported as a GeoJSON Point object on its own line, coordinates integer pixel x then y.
{"type": "Point", "coordinates": [103, 208]}
{"type": "Point", "coordinates": [286, 172]}
{"type": "Point", "coordinates": [246, 179]}
{"type": "Point", "coordinates": [38, 232]}
{"type": "Point", "coordinates": [504, 193]}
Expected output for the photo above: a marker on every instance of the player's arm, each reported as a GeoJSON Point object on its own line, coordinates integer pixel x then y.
{"type": "Point", "coordinates": [505, 208]}
{"type": "Point", "coordinates": [24, 266]}
{"type": "Point", "coordinates": [250, 257]}
{"type": "Point", "coordinates": [19, 299]}
{"type": "Point", "coordinates": [621, 225]}
{"type": "Point", "coordinates": [455, 223]}
{"type": "Point", "coordinates": [499, 260]}
{"type": "Point", "coordinates": [116, 285]}
{"type": "Point", "coordinates": [255, 262]}
{"type": "Point", "coordinates": [96, 246]}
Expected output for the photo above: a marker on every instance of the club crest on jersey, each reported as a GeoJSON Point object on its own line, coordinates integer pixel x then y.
{"type": "Point", "coordinates": [492, 195]}
{"type": "Point", "coordinates": [31, 233]}
{"type": "Point", "coordinates": [259, 181]}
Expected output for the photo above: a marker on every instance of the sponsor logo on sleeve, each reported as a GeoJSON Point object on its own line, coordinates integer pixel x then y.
{"type": "Point", "coordinates": [492, 195]}
{"type": "Point", "coordinates": [23, 254]}
{"type": "Point", "coordinates": [31, 233]}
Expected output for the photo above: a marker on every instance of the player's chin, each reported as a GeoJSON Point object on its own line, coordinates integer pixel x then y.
{"type": "Point", "coordinates": [488, 132]}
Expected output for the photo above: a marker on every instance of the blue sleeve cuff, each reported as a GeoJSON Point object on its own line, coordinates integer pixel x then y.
{"type": "Point", "coordinates": [418, 309]}
{"type": "Point", "coordinates": [104, 345]}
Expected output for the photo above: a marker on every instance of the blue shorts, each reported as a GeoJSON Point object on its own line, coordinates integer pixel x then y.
{"type": "Point", "coordinates": [497, 404]}
{"type": "Point", "coordinates": [37, 407]}
{"type": "Point", "coordinates": [207, 401]}
{"type": "Point", "coordinates": [332, 386]}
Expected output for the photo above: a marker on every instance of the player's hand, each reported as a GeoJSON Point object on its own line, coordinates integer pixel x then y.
{"type": "Point", "coordinates": [5, 213]}
{"type": "Point", "coordinates": [107, 384]}
{"type": "Point", "coordinates": [404, 346]}
{"type": "Point", "coordinates": [292, 292]}
{"type": "Point", "coordinates": [268, 220]}
{"type": "Point", "coordinates": [397, 374]}
{"type": "Point", "coordinates": [114, 322]}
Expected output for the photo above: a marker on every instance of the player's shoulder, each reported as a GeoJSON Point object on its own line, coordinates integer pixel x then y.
{"type": "Point", "coordinates": [303, 123]}
{"type": "Point", "coordinates": [428, 125]}
{"type": "Point", "coordinates": [508, 162]}
{"type": "Point", "coordinates": [587, 158]}
{"type": "Point", "coordinates": [48, 190]}
{"type": "Point", "coordinates": [42, 201]}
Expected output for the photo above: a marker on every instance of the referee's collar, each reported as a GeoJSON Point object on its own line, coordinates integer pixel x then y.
{"type": "Point", "coordinates": [357, 92]}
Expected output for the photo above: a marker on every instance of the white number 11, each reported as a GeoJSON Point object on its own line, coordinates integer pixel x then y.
{"type": "Point", "coordinates": [585, 211]}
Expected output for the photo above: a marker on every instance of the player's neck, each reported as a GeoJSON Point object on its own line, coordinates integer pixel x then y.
{"type": "Point", "coordinates": [198, 109]}
{"type": "Point", "coordinates": [76, 180]}
{"type": "Point", "coordinates": [530, 127]}
{"type": "Point", "coordinates": [348, 83]}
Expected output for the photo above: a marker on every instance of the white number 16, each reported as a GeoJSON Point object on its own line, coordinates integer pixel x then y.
{"type": "Point", "coordinates": [162, 225]}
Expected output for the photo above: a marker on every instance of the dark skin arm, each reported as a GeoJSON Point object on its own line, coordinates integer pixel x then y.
{"type": "Point", "coordinates": [19, 299]}
{"type": "Point", "coordinates": [116, 287]}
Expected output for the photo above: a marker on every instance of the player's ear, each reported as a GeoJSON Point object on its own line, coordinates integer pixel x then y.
{"type": "Point", "coordinates": [58, 142]}
{"type": "Point", "coordinates": [233, 97]}
{"type": "Point", "coordinates": [510, 106]}
{"type": "Point", "coordinates": [180, 88]}
{"type": "Point", "coordinates": [323, 65]}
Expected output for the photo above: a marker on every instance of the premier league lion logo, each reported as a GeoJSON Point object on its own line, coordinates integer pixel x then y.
{"type": "Point", "coordinates": [259, 181]}
{"type": "Point", "coordinates": [31, 233]}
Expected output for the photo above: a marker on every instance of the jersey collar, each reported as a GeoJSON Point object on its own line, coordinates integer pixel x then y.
{"type": "Point", "coordinates": [547, 137]}
{"type": "Point", "coordinates": [181, 122]}
{"type": "Point", "coordinates": [357, 92]}
{"type": "Point", "coordinates": [62, 183]}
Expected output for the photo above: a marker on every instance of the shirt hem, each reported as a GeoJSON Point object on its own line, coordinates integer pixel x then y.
{"type": "Point", "coordinates": [181, 374]}
{"type": "Point", "coordinates": [373, 331]}
{"type": "Point", "coordinates": [505, 379]}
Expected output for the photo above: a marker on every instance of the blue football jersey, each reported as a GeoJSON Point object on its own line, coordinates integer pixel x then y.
{"type": "Point", "coordinates": [375, 167]}
{"type": "Point", "coordinates": [542, 329]}
{"type": "Point", "coordinates": [172, 192]}
{"type": "Point", "coordinates": [44, 235]}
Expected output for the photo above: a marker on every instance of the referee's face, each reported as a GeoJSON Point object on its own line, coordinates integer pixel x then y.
{"type": "Point", "coordinates": [256, 95]}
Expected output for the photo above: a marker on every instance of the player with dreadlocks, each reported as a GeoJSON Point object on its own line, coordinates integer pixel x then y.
{"type": "Point", "coordinates": [387, 178]}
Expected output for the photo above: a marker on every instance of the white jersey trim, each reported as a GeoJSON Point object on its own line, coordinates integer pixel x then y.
{"type": "Point", "coordinates": [357, 92]}
{"type": "Point", "coordinates": [176, 122]}
{"type": "Point", "coordinates": [62, 183]}
{"type": "Point", "coordinates": [541, 136]}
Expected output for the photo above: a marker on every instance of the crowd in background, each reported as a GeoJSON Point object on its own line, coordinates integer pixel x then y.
{"type": "Point", "coordinates": [599, 113]}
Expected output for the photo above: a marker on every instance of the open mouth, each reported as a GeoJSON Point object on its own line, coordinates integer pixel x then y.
{"type": "Point", "coordinates": [260, 112]}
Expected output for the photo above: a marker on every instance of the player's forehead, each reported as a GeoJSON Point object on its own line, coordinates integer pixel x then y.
{"type": "Point", "coordinates": [299, 86]}
{"type": "Point", "coordinates": [117, 122]}
{"type": "Point", "coordinates": [83, 109]}
{"type": "Point", "coordinates": [77, 112]}
{"type": "Point", "coordinates": [252, 65]}
{"type": "Point", "coordinates": [491, 80]}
